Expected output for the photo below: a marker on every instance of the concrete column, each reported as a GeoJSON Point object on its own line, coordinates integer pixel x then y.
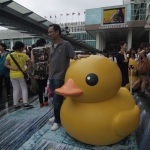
{"type": "Point", "coordinates": [33, 40]}
{"type": "Point", "coordinates": [97, 40]}
{"type": "Point", "coordinates": [11, 43]}
{"type": "Point", "coordinates": [129, 39]}
{"type": "Point", "coordinates": [104, 44]}
{"type": "Point", "coordinates": [100, 42]}
{"type": "Point", "coordinates": [149, 36]}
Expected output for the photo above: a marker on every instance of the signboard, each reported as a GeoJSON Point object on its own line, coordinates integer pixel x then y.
{"type": "Point", "coordinates": [113, 26]}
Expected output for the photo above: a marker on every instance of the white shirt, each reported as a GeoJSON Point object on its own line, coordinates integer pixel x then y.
{"type": "Point", "coordinates": [148, 55]}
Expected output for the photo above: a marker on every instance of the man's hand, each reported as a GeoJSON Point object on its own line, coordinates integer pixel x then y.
{"type": "Point", "coordinates": [82, 56]}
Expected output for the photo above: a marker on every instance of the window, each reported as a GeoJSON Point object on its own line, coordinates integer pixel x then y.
{"type": "Point", "coordinates": [35, 39]}
{"type": "Point", "coordinates": [138, 11]}
{"type": "Point", "coordinates": [14, 40]}
{"type": "Point", "coordinates": [7, 42]}
{"type": "Point", "coordinates": [27, 42]}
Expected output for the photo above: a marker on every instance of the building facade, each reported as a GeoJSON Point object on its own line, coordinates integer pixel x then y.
{"type": "Point", "coordinates": [132, 24]}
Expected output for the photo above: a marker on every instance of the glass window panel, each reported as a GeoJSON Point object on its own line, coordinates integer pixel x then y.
{"type": "Point", "coordinates": [27, 42]}
{"type": "Point", "coordinates": [132, 12]}
{"type": "Point", "coordinates": [48, 42]}
{"type": "Point", "coordinates": [2, 1]}
{"type": "Point", "coordinates": [142, 11]}
{"type": "Point", "coordinates": [137, 17]}
{"type": "Point", "coordinates": [142, 17]}
{"type": "Point", "coordinates": [7, 42]}
{"type": "Point", "coordinates": [81, 36]}
{"type": "Point", "coordinates": [18, 8]}
{"type": "Point", "coordinates": [133, 17]}
{"type": "Point", "coordinates": [136, 6]}
{"type": "Point", "coordinates": [132, 6]}
{"type": "Point", "coordinates": [36, 17]}
{"type": "Point", "coordinates": [143, 5]}
{"type": "Point", "coordinates": [14, 40]}
{"type": "Point", "coordinates": [35, 39]}
{"type": "Point", "coordinates": [93, 16]}
{"type": "Point", "coordinates": [47, 23]}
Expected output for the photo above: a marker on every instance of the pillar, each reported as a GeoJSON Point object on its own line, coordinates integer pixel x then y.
{"type": "Point", "coordinates": [97, 40]}
{"type": "Point", "coordinates": [129, 39]}
{"type": "Point", "coordinates": [149, 36]}
{"type": "Point", "coordinates": [11, 43]}
{"type": "Point", "coordinates": [33, 41]}
{"type": "Point", "coordinates": [100, 42]}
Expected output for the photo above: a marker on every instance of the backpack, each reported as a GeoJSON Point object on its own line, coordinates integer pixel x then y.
{"type": "Point", "coordinates": [143, 66]}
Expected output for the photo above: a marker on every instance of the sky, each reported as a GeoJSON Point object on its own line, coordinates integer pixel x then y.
{"type": "Point", "coordinates": [47, 8]}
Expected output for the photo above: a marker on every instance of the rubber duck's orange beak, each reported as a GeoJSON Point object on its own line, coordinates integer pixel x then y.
{"type": "Point", "coordinates": [69, 89]}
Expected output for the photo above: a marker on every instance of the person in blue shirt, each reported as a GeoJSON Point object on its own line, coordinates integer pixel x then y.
{"type": "Point", "coordinates": [4, 72]}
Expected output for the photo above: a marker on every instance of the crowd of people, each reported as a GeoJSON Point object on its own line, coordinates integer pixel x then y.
{"type": "Point", "coordinates": [45, 64]}
{"type": "Point", "coordinates": [142, 54]}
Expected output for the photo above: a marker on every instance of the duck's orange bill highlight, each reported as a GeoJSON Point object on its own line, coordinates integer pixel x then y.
{"type": "Point", "coordinates": [69, 89]}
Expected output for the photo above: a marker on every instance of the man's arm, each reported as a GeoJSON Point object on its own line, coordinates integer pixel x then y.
{"type": "Point", "coordinates": [80, 56]}
{"type": "Point", "coordinates": [71, 54]}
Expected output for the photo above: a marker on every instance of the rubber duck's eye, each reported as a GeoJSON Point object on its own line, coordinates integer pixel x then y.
{"type": "Point", "coordinates": [91, 79]}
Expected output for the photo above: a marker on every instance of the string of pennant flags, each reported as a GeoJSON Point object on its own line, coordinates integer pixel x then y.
{"type": "Point", "coordinates": [72, 14]}
{"type": "Point", "coordinates": [62, 15]}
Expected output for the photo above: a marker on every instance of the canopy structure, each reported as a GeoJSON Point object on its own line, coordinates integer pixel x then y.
{"type": "Point", "coordinates": [17, 17]}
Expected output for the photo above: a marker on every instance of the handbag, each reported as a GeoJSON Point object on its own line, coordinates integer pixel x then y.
{"type": "Point", "coordinates": [48, 91]}
{"type": "Point", "coordinates": [143, 66]}
{"type": "Point", "coordinates": [26, 75]}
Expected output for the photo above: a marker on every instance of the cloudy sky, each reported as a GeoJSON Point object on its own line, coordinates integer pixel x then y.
{"type": "Point", "coordinates": [47, 8]}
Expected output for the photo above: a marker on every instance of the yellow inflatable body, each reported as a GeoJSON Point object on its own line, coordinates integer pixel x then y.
{"type": "Point", "coordinates": [97, 111]}
{"type": "Point", "coordinates": [134, 77]}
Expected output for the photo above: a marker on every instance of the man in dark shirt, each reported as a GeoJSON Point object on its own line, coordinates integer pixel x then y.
{"type": "Point", "coordinates": [61, 52]}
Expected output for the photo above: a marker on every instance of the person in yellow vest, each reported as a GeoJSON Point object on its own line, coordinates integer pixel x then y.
{"type": "Point", "coordinates": [16, 76]}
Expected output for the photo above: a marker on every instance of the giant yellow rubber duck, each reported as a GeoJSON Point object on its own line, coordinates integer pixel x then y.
{"type": "Point", "coordinates": [134, 77]}
{"type": "Point", "coordinates": [96, 110]}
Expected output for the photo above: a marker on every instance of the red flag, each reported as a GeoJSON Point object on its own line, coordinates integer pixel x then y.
{"type": "Point", "coordinates": [78, 14]}
{"type": "Point", "coordinates": [73, 13]}
{"type": "Point", "coordinates": [50, 16]}
{"type": "Point", "coordinates": [55, 16]}
{"type": "Point", "coordinates": [67, 14]}
{"type": "Point", "coordinates": [61, 14]}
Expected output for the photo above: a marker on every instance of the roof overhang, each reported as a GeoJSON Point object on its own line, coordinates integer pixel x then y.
{"type": "Point", "coordinates": [15, 16]}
